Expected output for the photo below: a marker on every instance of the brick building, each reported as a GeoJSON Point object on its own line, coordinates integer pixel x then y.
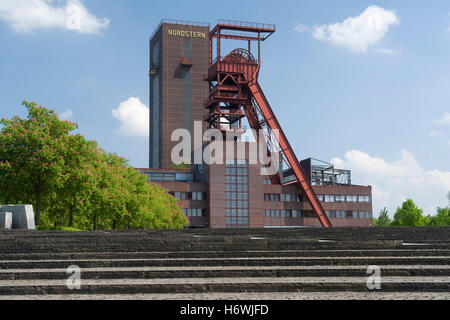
{"type": "Point", "coordinates": [234, 193]}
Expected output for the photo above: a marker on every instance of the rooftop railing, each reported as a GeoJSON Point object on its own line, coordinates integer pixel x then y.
{"type": "Point", "coordinates": [247, 24]}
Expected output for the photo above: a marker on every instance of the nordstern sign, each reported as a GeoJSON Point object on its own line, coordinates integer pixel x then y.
{"type": "Point", "coordinates": [187, 34]}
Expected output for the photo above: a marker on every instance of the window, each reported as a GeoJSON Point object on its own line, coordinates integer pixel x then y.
{"type": "Point", "coordinates": [267, 181]}
{"type": "Point", "coordinates": [237, 193]}
{"type": "Point", "coordinates": [286, 197]}
{"type": "Point", "coordinates": [194, 212]}
{"type": "Point", "coordinates": [331, 214]}
{"type": "Point", "coordinates": [365, 199]}
{"type": "Point", "coordinates": [275, 197]}
{"type": "Point", "coordinates": [320, 196]}
{"type": "Point", "coordinates": [198, 196]}
{"type": "Point", "coordinates": [341, 214]}
{"type": "Point", "coordinates": [181, 195]}
{"type": "Point", "coordinates": [272, 197]}
{"type": "Point", "coordinates": [365, 214]}
{"type": "Point", "coordinates": [340, 198]}
{"type": "Point", "coordinates": [352, 198]}
{"type": "Point", "coordinates": [296, 214]}
{"type": "Point", "coordinates": [329, 198]}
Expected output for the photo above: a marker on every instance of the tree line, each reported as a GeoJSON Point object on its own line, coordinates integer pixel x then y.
{"type": "Point", "coordinates": [410, 215]}
{"type": "Point", "coordinates": [72, 182]}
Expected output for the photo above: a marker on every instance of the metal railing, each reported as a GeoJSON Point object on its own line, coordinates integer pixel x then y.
{"type": "Point", "coordinates": [246, 24]}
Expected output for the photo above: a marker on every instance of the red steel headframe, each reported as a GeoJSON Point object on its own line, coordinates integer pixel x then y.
{"type": "Point", "coordinates": [234, 86]}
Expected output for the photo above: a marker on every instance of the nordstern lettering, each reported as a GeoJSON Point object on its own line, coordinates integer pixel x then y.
{"type": "Point", "coordinates": [187, 33]}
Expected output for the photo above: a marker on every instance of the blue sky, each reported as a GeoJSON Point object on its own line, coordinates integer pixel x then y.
{"type": "Point", "coordinates": [364, 84]}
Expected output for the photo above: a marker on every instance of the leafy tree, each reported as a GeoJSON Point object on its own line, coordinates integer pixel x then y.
{"type": "Point", "coordinates": [80, 161]}
{"type": "Point", "coordinates": [442, 218]}
{"type": "Point", "coordinates": [383, 220]}
{"type": "Point", "coordinates": [409, 215]}
{"type": "Point", "coordinates": [32, 152]}
{"type": "Point", "coordinates": [77, 185]}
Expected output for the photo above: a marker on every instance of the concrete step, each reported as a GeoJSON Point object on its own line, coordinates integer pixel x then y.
{"type": "Point", "coordinates": [224, 254]}
{"type": "Point", "coordinates": [200, 285]}
{"type": "Point", "coordinates": [239, 261]}
{"type": "Point", "coordinates": [252, 296]}
{"type": "Point", "coordinates": [225, 272]}
{"type": "Point", "coordinates": [227, 263]}
{"type": "Point", "coordinates": [124, 245]}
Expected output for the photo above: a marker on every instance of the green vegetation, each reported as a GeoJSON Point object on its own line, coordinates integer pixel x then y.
{"type": "Point", "coordinates": [383, 220]}
{"type": "Point", "coordinates": [182, 166]}
{"type": "Point", "coordinates": [73, 183]}
{"type": "Point", "coordinates": [410, 215]}
{"type": "Point", "coordinates": [441, 219]}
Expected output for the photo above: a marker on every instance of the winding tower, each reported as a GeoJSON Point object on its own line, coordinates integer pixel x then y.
{"type": "Point", "coordinates": [235, 94]}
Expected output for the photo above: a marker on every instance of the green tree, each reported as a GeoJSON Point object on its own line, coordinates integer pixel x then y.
{"type": "Point", "coordinates": [409, 215]}
{"type": "Point", "coordinates": [78, 184]}
{"type": "Point", "coordinates": [442, 218]}
{"type": "Point", "coordinates": [80, 160]}
{"type": "Point", "coordinates": [32, 152]}
{"type": "Point", "coordinates": [383, 219]}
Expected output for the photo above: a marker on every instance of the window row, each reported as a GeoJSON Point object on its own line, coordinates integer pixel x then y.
{"type": "Point", "coordinates": [185, 177]}
{"type": "Point", "coordinates": [237, 187]}
{"type": "Point", "coordinates": [237, 221]}
{"type": "Point", "coordinates": [349, 214]}
{"type": "Point", "coordinates": [342, 198]}
{"type": "Point", "coordinates": [197, 196]}
{"type": "Point", "coordinates": [236, 163]}
{"type": "Point", "coordinates": [189, 212]}
{"type": "Point", "coordinates": [237, 171]}
{"type": "Point", "coordinates": [237, 204]}
{"type": "Point", "coordinates": [237, 212]}
{"type": "Point", "coordinates": [237, 196]}
{"type": "Point", "coordinates": [237, 179]}
{"type": "Point", "coordinates": [285, 197]}
{"type": "Point", "coordinates": [274, 213]}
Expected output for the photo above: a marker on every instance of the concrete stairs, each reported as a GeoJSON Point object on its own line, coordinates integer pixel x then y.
{"type": "Point", "coordinates": [307, 263]}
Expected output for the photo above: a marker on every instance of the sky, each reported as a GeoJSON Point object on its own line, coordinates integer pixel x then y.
{"type": "Point", "coordinates": [362, 84]}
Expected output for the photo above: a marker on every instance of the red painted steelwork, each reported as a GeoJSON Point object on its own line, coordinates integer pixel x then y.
{"type": "Point", "coordinates": [235, 93]}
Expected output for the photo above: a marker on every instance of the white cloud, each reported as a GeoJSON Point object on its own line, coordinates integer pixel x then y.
{"type": "Point", "coordinates": [301, 27]}
{"type": "Point", "coordinates": [387, 51]}
{"type": "Point", "coordinates": [25, 16]}
{"type": "Point", "coordinates": [435, 133]}
{"type": "Point", "coordinates": [358, 33]}
{"type": "Point", "coordinates": [394, 182]}
{"type": "Point", "coordinates": [443, 121]}
{"type": "Point", "coordinates": [66, 115]}
{"type": "Point", "coordinates": [134, 117]}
